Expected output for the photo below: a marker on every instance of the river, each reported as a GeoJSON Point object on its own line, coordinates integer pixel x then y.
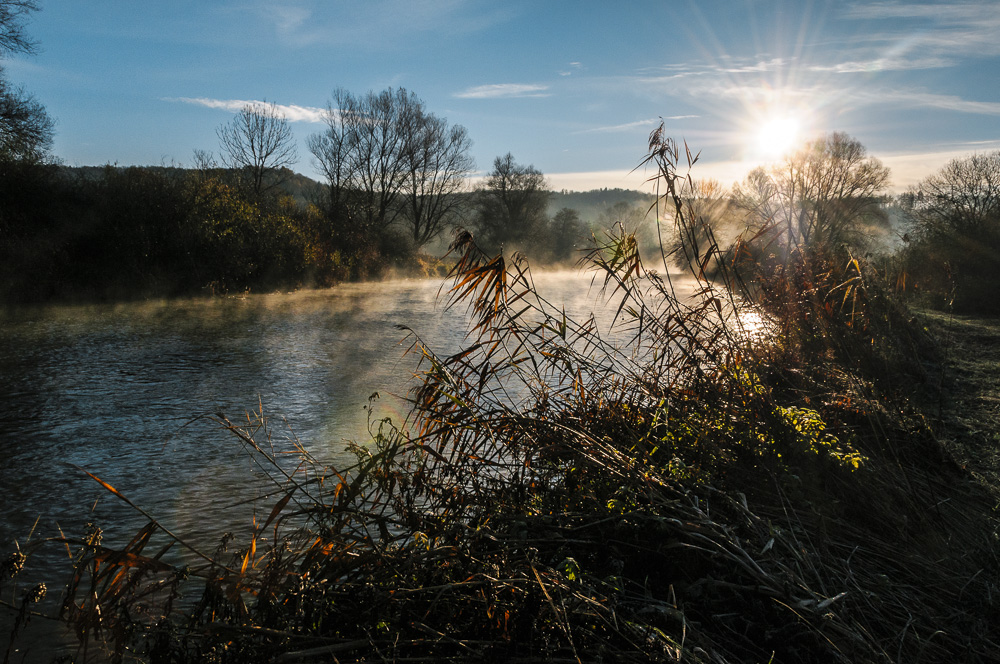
{"type": "Point", "coordinates": [129, 392]}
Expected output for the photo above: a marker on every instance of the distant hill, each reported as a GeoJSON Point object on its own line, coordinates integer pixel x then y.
{"type": "Point", "coordinates": [303, 189]}
{"type": "Point", "coordinates": [589, 204]}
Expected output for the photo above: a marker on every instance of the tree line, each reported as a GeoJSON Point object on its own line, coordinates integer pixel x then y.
{"type": "Point", "coordinates": [396, 179]}
{"type": "Point", "coordinates": [828, 201]}
{"type": "Point", "coordinates": [392, 186]}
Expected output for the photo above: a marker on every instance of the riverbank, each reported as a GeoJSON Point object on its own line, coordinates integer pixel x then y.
{"type": "Point", "coordinates": [559, 496]}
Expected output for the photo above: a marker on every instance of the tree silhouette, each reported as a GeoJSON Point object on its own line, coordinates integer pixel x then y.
{"type": "Point", "coordinates": [825, 194]}
{"type": "Point", "coordinates": [25, 128]}
{"type": "Point", "coordinates": [511, 204]}
{"type": "Point", "coordinates": [257, 141]}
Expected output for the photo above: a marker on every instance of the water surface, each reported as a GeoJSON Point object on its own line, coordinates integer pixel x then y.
{"type": "Point", "coordinates": [132, 393]}
{"type": "Point", "coordinates": [128, 392]}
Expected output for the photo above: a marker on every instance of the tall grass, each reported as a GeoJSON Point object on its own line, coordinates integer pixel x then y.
{"type": "Point", "coordinates": [694, 488]}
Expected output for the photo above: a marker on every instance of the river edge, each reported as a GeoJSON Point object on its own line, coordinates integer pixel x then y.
{"type": "Point", "coordinates": [965, 417]}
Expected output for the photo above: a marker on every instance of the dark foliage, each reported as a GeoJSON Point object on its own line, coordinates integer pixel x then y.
{"type": "Point", "coordinates": [123, 233]}
{"type": "Point", "coordinates": [952, 257]}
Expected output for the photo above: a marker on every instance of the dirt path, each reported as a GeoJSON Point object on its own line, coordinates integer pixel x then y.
{"type": "Point", "coordinates": [969, 408]}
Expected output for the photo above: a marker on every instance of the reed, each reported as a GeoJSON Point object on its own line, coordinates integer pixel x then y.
{"type": "Point", "coordinates": [696, 488]}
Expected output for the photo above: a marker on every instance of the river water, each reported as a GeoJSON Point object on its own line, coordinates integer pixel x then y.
{"type": "Point", "coordinates": [128, 392]}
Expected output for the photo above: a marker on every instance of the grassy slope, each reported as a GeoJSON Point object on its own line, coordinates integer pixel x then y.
{"type": "Point", "coordinates": [968, 408]}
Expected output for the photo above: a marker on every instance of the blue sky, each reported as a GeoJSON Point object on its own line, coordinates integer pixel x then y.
{"type": "Point", "coordinates": [572, 87]}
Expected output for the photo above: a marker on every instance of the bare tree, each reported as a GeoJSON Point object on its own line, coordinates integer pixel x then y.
{"type": "Point", "coordinates": [25, 128]}
{"type": "Point", "coordinates": [362, 153]}
{"type": "Point", "coordinates": [13, 14]}
{"type": "Point", "coordinates": [437, 163]}
{"type": "Point", "coordinates": [511, 204]}
{"type": "Point", "coordinates": [827, 193]}
{"type": "Point", "coordinates": [258, 141]}
{"type": "Point", "coordinates": [963, 197]}
{"type": "Point", "coordinates": [386, 160]}
{"type": "Point", "coordinates": [953, 249]}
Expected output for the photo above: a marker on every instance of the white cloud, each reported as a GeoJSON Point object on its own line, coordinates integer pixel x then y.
{"type": "Point", "coordinates": [503, 90]}
{"type": "Point", "coordinates": [292, 112]}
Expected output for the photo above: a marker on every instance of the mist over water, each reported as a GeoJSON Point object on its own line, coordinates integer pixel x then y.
{"type": "Point", "coordinates": [127, 392]}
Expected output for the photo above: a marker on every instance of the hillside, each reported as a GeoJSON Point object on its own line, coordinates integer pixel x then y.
{"type": "Point", "coordinates": [589, 204]}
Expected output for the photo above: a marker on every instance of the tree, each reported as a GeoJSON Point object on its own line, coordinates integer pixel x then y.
{"type": "Point", "coordinates": [13, 39]}
{"type": "Point", "coordinates": [511, 204]}
{"type": "Point", "coordinates": [568, 232]}
{"type": "Point", "coordinates": [826, 194]}
{"type": "Point", "coordinates": [386, 159]}
{"type": "Point", "coordinates": [25, 128]}
{"type": "Point", "coordinates": [437, 162]}
{"type": "Point", "coordinates": [362, 154]}
{"type": "Point", "coordinates": [953, 251]}
{"type": "Point", "coordinates": [258, 141]}
{"type": "Point", "coordinates": [963, 197]}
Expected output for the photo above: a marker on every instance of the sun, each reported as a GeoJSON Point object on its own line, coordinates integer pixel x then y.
{"type": "Point", "coordinates": [776, 136]}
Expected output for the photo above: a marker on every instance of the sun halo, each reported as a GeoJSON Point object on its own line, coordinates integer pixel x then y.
{"type": "Point", "coordinates": [776, 136]}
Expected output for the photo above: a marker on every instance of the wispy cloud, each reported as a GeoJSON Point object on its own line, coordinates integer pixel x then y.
{"type": "Point", "coordinates": [918, 98]}
{"type": "Point", "coordinates": [503, 91]}
{"type": "Point", "coordinates": [376, 24]}
{"type": "Point", "coordinates": [289, 19]}
{"type": "Point", "coordinates": [955, 12]}
{"type": "Point", "coordinates": [729, 65]}
{"type": "Point", "coordinates": [629, 126]}
{"type": "Point", "coordinates": [854, 97]}
{"type": "Point", "coordinates": [573, 67]}
{"type": "Point", "coordinates": [888, 63]}
{"type": "Point", "coordinates": [936, 34]}
{"type": "Point", "coordinates": [758, 67]}
{"type": "Point", "coordinates": [292, 112]}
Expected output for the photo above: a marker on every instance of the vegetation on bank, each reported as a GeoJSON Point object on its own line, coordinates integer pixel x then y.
{"type": "Point", "coordinates": [123, 233]}
{"type": "Point", "coordinates": [756, 476]}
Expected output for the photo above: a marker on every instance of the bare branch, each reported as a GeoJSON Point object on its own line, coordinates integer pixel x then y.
{"type": "Point", "coordinates": [258, 140]}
